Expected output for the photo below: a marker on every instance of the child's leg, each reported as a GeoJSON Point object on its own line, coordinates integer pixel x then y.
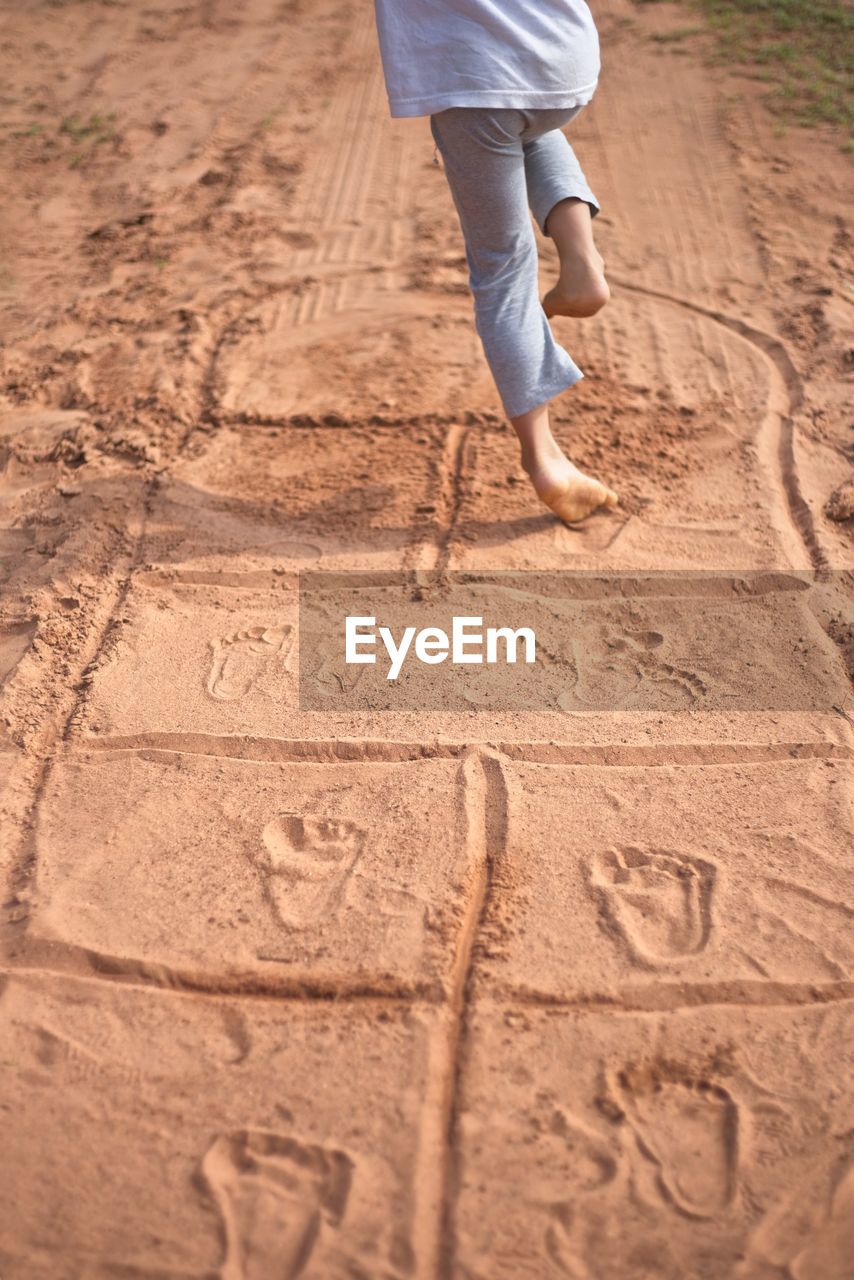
{"type": "Point", "coordinates": [581, 289]}
{"type": "Point", "coordinates": [564, 206]}
{"type": "Point", "coordinates": [485, 167]}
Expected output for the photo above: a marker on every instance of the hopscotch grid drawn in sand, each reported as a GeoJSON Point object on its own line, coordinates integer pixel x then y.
{"type": "Point", "coordinates": [301, 863]}
{"type": "Point", "coordinates": [350, 750]}
{"type": "Point", "coordinates": [276, 1163]}
{"type": "Point", "coordinates": [779, 421]}
{"type": "Point", "coordinates": [488, 801]}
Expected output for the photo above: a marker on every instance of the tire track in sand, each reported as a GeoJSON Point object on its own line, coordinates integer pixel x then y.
{"type": "Point", "coordinates": [355, 199]}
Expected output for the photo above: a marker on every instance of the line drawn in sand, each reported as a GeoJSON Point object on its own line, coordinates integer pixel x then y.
{"type": "Point", "coordinates": [274, 1195]}
{"type": "Point", "coordinates": [659, 901]}
{"type": "Point", "coordinates": [307, 862]}
{"type": "Point", "coordinates": [688, 1127]}
{"type": "Point", "coordinates": [239, 660]}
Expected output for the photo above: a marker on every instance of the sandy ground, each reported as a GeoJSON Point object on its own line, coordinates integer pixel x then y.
{"type": "Point", "coordinates": [472, 995]}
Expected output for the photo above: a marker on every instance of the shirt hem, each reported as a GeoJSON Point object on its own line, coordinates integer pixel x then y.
{"type": "Point", "coordinates": [531, 100]}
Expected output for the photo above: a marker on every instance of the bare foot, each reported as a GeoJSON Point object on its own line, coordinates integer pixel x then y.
{"type": "Point", "coordinates": [582, 289]}
{"type": "Point", "coordinates": [568, 492]}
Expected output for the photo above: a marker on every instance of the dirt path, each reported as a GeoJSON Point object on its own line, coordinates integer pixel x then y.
{"type": "Point", "coordinates": [349, 994]}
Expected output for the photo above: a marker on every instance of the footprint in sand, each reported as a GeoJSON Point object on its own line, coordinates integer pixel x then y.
{"type": "Point", "coordinates": [659, 901]}
{"type": "Point", "coordinates": [307, 862]}
{"type": "Point", "coordinates": [239, 660]}
{"type": "Point", "coordinates": [688, 1127]}
{"type": "Point", "coordinates": [274, 1195]}
{"type": "Point", "coordinates": [628, 668]}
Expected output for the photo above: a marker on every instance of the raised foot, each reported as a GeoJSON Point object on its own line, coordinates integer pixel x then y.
{"type": "Point", "coordinates": [574, 496]}
{"type": "Point", "coordinates": [581, 291]}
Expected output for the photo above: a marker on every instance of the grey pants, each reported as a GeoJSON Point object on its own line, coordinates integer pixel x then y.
{"type": "Point", "coordinates": [498, 162]}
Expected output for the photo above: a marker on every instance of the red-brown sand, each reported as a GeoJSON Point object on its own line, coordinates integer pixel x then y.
{"type": "Point", "coordinates": [470, 995]}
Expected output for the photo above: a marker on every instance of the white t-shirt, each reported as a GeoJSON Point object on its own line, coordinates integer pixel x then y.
{"type": "Point", "coordinates": [487, 53]}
